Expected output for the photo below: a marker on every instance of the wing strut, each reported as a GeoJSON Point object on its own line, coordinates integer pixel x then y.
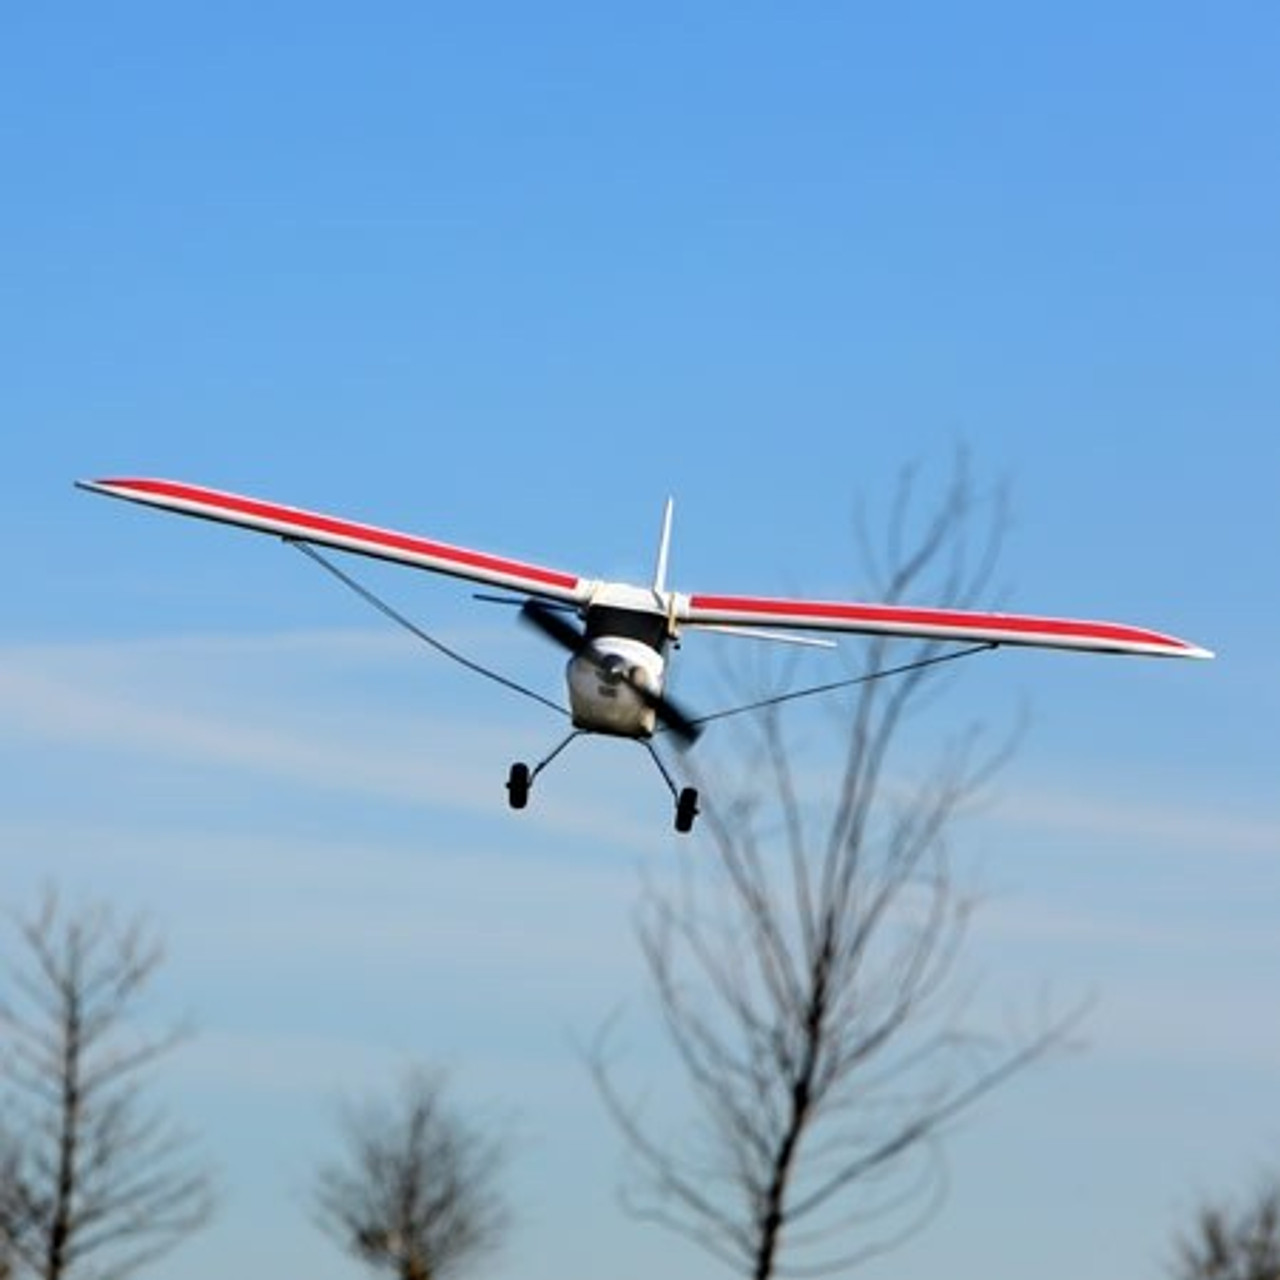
{"type": "Point", "coordinates": [918, 665]}
{"type": "Point", "coordinates": [439, 646]}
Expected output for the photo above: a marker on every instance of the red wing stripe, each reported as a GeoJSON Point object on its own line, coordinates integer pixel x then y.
{"type": "Point", "coordinates": [213, 504]}
{"type": "Point", "coordinates": [904, 619]}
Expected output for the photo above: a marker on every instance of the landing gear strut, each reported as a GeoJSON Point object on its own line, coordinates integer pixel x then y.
{"type": "Point", "coordinates": [520, 778]}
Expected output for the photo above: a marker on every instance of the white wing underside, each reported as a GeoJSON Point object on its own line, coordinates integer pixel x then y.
{"type": "Point", "coordinates": [749, 614]}
{"type": "Point", "coordinates": [960, 625]}
{"type": "Point", "coordinates": [347, 535]}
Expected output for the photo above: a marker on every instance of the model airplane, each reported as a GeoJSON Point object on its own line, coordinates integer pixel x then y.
{"type": "Point", "coordinates": [616, 675]}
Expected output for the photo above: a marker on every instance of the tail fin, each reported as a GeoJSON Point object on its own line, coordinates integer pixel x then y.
{"type": "Point", "coordinates": [660, 569]}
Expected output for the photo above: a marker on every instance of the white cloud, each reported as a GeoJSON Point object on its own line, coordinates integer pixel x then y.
{"type": "Point", "coordinates": [1172, 822]}
{"type": "Point", "coordinates": [343, 712]}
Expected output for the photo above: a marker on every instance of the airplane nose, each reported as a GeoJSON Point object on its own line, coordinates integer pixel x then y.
{"type": "Point", "coordinates": [613, 668]}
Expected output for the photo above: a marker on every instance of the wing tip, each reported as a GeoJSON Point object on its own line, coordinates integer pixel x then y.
{"type": "Point", "coordinates": [107, 484]}
{"type": "Point", "coordinates": [1160, 646]}
{"type": "Point", "coordinates": [1197, 651]}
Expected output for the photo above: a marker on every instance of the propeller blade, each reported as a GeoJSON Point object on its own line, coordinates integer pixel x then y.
{"type": "Point", "coordinates": [672, 715]}
{"type": "Point", "coordinates": [552, 623]}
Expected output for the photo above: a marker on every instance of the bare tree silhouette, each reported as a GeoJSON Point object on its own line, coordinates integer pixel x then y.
{"type": "Point", "coordinates": [805, 964]}
{"type": "Point", "coordinates": [415, 1191]}
{"type": "Point", "coordinates": [94, 1183]}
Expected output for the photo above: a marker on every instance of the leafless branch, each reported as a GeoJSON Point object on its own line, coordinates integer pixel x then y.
{"type": "Point", "coordinates": [1230, 1243]}
{"type": "Point", "coordinates": [806, 972]}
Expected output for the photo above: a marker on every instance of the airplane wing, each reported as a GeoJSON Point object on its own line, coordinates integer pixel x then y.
{"type": "Point", "coordinates": [959, 625]}
{"type": "Point", "coordinates": [346, 535]}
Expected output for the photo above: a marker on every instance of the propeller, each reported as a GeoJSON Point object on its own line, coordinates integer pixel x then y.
{"type": "Point", "coordinates": [553, 624]}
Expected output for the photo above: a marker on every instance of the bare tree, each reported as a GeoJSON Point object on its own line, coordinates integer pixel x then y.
{"type": "Point", "coordinates": [415, 1192]}
{"type": "Point", "coordinates": [94, 1183]}
{"type": "Point", "coordinates": [1234, 1244]}
{"type": "Point", "coordinates": [806, 972]}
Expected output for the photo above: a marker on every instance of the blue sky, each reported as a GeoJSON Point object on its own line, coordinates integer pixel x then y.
{"type": "Point", "coordinates": [508, 277]}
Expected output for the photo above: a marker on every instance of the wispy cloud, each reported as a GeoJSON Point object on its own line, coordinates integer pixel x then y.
{"type": "Point", "coordinates": [278, 1063]}
{"type": "Point", "coordinates": [328, 710]}
{"type": "Point", "coordinates": [1172, 822]}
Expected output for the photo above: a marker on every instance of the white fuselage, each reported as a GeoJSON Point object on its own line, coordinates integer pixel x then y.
{"type": "Point", "coordinates": [624, 653]}
{"type": "Point", "coordinates": [602, 696]}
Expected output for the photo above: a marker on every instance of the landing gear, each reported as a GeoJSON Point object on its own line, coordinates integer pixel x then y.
{"type": "Point", "coordinates": [686, 798]}
{"type": "Point", "coordinates": [521, 777]}
{"type": "Point", "coordinates": [518, 785]}
{"type": "Point", "coordinates": [686, 810]}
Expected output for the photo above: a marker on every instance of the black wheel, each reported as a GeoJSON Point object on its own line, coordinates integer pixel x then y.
{"type": "Point", "coordinates": [518, 785]}
{"type": "Point", "coordinates": [686, 810]}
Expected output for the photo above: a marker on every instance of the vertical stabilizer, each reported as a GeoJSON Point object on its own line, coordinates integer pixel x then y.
{"type": "Point", "coordinates": [660, 569]}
